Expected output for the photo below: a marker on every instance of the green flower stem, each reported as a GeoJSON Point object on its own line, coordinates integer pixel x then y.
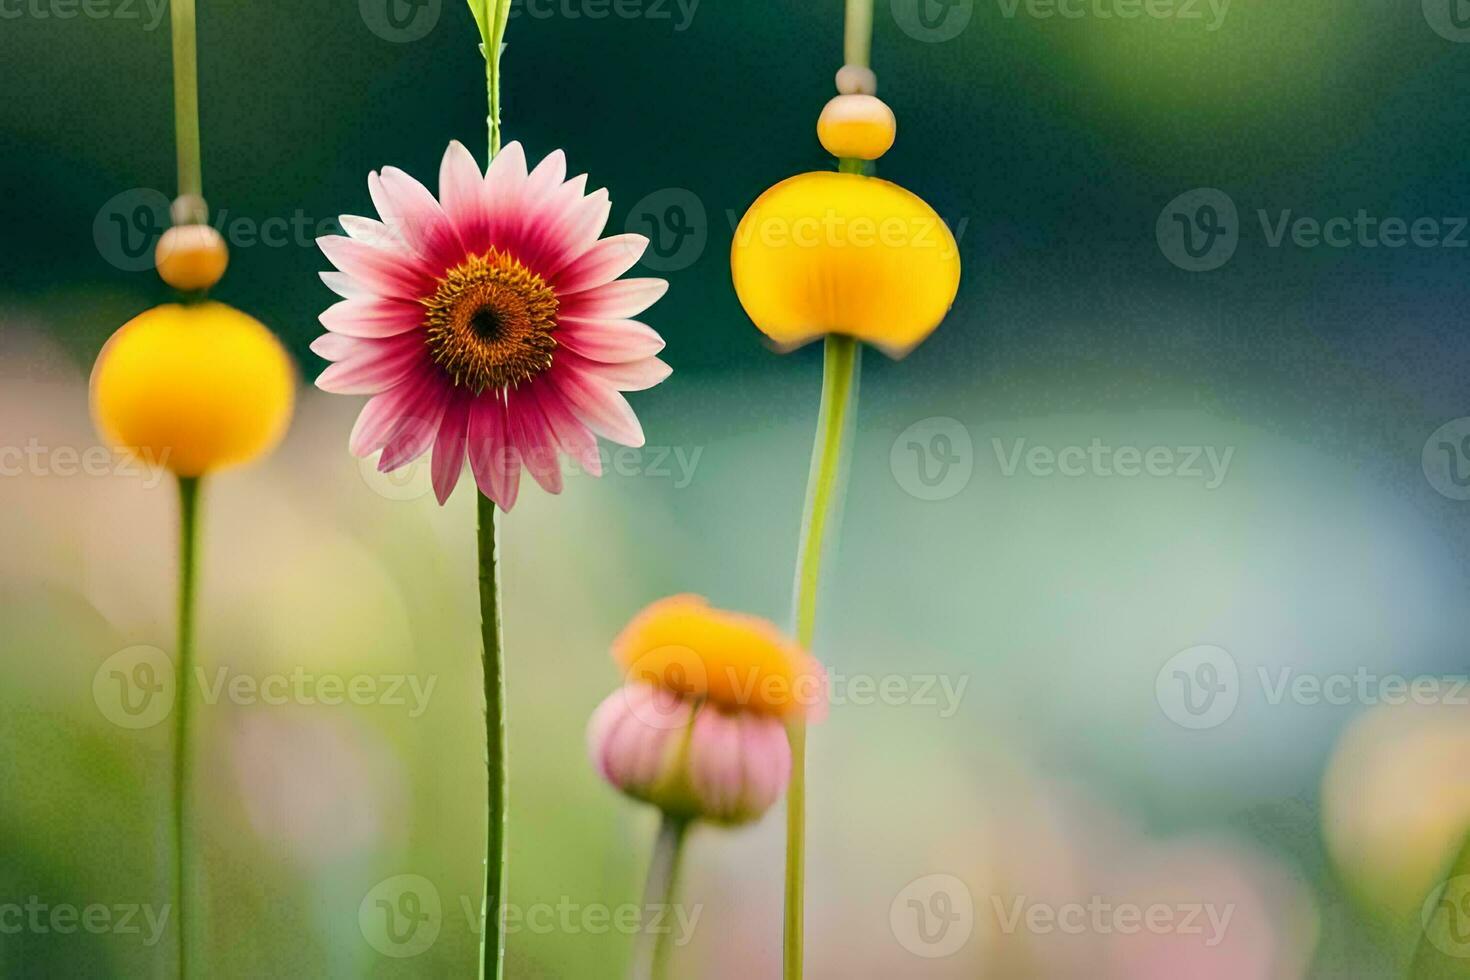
{"type": "Point", "coordinates": [840, 375]}
{"type": "Point", "coordinates": [186, 96]}
{"type": "Point", "coordinates": [188, 555]}
{"type": "Point", "coordinates": [651, 953]}
{"type": "Point", "coordinates": [492, 949]}
{"type": "Point", "coordinates": [491, 16]}
{"type": "Point", "coordinates": [857, 40]}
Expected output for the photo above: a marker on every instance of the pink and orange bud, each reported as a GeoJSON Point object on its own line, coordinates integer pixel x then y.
{"type": "Point", "coordinates": [691, 760]}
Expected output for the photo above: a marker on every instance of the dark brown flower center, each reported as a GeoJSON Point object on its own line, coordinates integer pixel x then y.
{"type": "Point", "coordinates": [490, 322]}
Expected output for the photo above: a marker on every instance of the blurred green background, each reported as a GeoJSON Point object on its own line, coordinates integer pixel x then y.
{"type": "Point", "coordinates": [1073, 765]}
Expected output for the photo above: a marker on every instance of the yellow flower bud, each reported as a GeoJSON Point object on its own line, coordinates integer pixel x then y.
{"type": "Point", "coordinates": [860, 127]}
{"type": "Point", "coordinates": [191, 257]}
{"type": "Point", "coordinates": [197, 388]}
{"type": "Point", "coordinates": [827, 252]}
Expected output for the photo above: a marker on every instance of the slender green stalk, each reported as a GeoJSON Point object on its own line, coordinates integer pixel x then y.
{"type": "Point", "coordinates": [186, 96]}
{"type": "Point", "coordinates": [857, 40]}
{"type": "Point", "coordinates": [840, 374]}
{"type": "Point", "coordinates": [651, 953]}
{"type": "Point", "coordinates": [183, 763]}
{"type": "Point", "coordinates": [491, 17]}
{"type": "Point", "coordinates": [492, 949]}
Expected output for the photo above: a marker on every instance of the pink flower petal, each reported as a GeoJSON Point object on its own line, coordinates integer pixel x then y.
{"type": "Point", "coordinates": [415, 433]}
{"type": "Point", "coordinates": [416, 216]}
{"type": "Point", "coordinates": [610, 341]}
{"type": "Point", "coordinates": [601, 263]}
{"type": "Point", "coordinates": [372, 366]}
{"type": "Point", "coordinates": [572, 436]}
{"type": "Point", "coordinates": [604, 411]}
{"type": "Point", "coordinates": [386, 273]}
{"type": "Point", "coordinates": [629, 376]}
{"type": "Point", "coordinates": [448, 461]}
{"type": "Point", "coordinates": [386, 411]}
{"type": "Point", "coordinates": [463, 195]}
{"type": "Point", "coordinates": [534, 439]}
{"type": "Point", "coordinates": [345, 286]}
{"type": "Point", "coordinates": [333, 346]}
{"type": "Point", "coordinates": [372, 317]}
{"type": "Point", "coordinates": [615, 300]}
{"type": "Point", "coordinates": [493, 458]}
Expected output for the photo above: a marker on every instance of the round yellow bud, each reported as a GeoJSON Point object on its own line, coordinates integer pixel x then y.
{"type": "Point", "coordinates": [193, 388]}
{"type": "Point", "coordinates": [860, 127]}
{"type": "Point", "coordinates": [827, 252]}
{"type": "Point", "coordinates": [191, 257]}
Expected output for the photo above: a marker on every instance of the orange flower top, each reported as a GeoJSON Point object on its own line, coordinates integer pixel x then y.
{"type": "Point", "coordinates": [738, 661]}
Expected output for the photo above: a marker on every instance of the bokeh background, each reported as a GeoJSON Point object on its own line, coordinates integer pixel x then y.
{"type": "Point", "coordinates": [1100, 686]}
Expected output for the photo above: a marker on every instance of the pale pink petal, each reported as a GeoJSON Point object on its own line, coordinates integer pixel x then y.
{"type": "Point", "coordinates": [369, 231]}
{"type": "Point", "coordinates": [333, 346]}
{"type": "Point", "coordinates": [505, 183]}
{"type": "Point", "coordinates": [413, 436]}
{"type": "Point", "coordinates": [448, 461]}
{"type": "Point", "coordinates": [384, 412]}
{"type": "Point", "coordinates": [601, 263]}
{"type": "Point", "coordinates": [534, 439]}
{"type": "Point", "coordinates": [629, 376]}
{"type": "Point", "coordinates": [345, 286]}
{"type": "Point", "coordinates": [493, 458]}
{"type": "Point", "coordinates": [386, 273]}
{"type": "Point", "coordinates": [605, 412]}
{"type": "Point", "coordinates": [611, 341]}
{"type": "Point", "coordinates": [372, 366]}
{"type": "Point", "coordinates": [572, 435]}
{"type": "Point", "coordinates": [615, 300]}
{"type": "Point", "coordinates": [462, 192]}
{"type": "Point", "coordinates": [375, 317]}
{"type": "Point", "coordinates": [417, 217]}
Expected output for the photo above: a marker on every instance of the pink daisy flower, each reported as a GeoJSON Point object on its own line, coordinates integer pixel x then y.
{"type": "Point", "coordinates": [489, 323]}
